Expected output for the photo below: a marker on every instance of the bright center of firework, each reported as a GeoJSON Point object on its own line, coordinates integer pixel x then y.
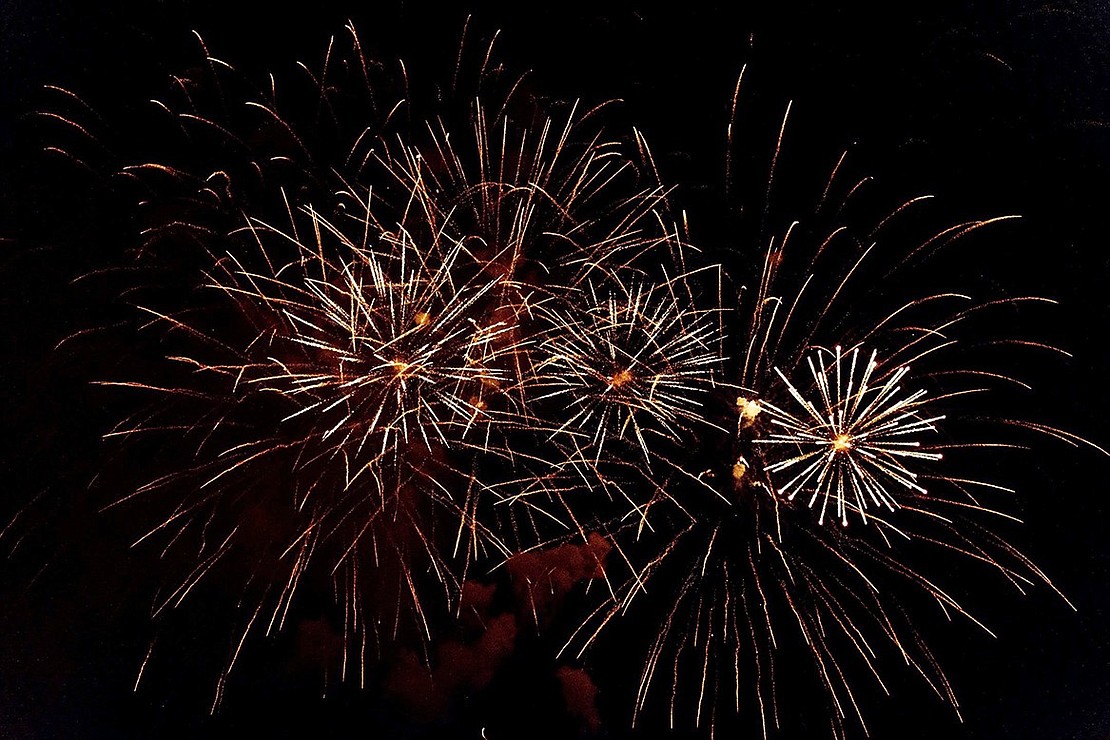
{"type": "Point", "coordinates": [422, 319]}
{"type": "Point", "coordinates": [400, 367]}
{"type": "Point", "coordinates": [739, 470]}
{"type": "Point", "coordinates": [850, 440]}
{"type": "Point", "coordinates": [623, 377]}
{"type": "Point", "coordinates": [749, 410]}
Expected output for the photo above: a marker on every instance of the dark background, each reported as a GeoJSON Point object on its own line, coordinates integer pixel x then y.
{"type": "Point", "coordinates": [994, 107]}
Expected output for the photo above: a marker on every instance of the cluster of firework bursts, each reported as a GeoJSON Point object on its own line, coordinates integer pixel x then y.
{"type": "Point", "coordinates": [400, 351]}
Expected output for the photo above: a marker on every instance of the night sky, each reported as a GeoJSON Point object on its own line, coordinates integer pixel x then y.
{"type": "Point", "coordinates": [993, 107]}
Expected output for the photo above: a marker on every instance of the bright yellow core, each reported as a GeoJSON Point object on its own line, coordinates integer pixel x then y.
{"type": "Point", "coordinates": [739, 470]}
{"type": "Point", "coordinates": [622, 378]}
{"type": "Point", "coordinates": [842, 443]}
{"type": "Point", "coordinates": [748, 409]}
{"type": "Point", "coordinates": [400, 367]}
{"type": "Point", "coordinates": [422, 319]}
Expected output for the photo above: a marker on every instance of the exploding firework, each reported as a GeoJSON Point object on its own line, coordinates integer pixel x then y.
{"type": "Point", "coordinates": [854, 443]}
{"type": "Point", "coordinates": [628, 366]}
{"type": "Point", "coordinates": [810, 522]}
{"type": "Point", "coordinates": [364, 338]}
{"type": "Point", "coordinates": [398, 348]}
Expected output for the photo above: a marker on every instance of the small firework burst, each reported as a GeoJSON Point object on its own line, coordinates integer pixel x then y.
{"type": "Point", "coordinates": [631, 365]}
{"type": "Point", "coordinates": [853, 444]}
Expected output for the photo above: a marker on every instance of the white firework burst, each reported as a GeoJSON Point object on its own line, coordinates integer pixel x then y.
{"type": "Point", "coordinates": [631, 364]}
{"type": "Point", "coordinates": [382, 347]}
{"type": "Point", "coordinates": [855, 440]}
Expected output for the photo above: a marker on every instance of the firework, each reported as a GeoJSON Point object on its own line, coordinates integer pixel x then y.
{"type": "Point", "coordinates": [397, 347]}
{"type": "Point", "coordinates": [354, 389]}
{"type": "Point", "coordinates": [627, 366]}
{"type": "Point", "coordinates": [813, 420]}
{"type": "Point", "coordinates": [855, 442]}
{"type": "Point", "coordinates": [358, 342]}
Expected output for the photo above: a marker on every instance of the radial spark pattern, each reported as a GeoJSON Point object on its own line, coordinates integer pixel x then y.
{"type": "Point", "coordinates": [856, 443]}
{"type": "Point", "coordinates": [633, 364]}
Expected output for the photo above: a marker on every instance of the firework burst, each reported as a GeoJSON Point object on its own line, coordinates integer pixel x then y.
{"type": "Point", "coordinates": [400, 347]}
{"type": "Point", "coordinates": [628, 366]}
{"type": "Point", "coordinates": [854, 443]}
{"type": "Point", "coordinates": [362, 342]}
{"type": "Point", "coordinates": [813, 420]}
{"type": "Point", "coordinates": [757, 581]}
{"type": "Point", "coordinates": [359, 392]}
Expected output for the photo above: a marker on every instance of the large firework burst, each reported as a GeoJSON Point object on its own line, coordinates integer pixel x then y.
{"type": "Point", "coordinates": [397, 347]}
{"type": "Point", "coordinates": [357, 339]}
{"type": "Point", "coordinates": [814, 421]}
